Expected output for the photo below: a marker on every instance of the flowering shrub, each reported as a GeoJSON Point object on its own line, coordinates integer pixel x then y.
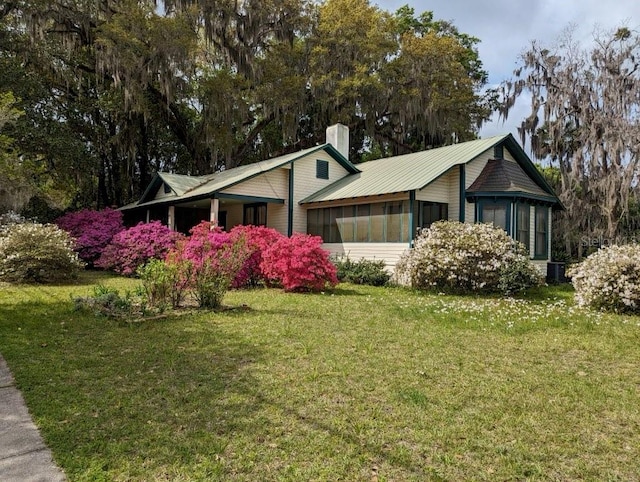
{"type": "Point", "coordinates": [92, 230]}
{"type": "Point", "coordinates": [461, 257]}
{"type": "Point", "coordinates": [299, 263]}
{"type": "Point", "coordinates": [609, 279]}
{"type": "Point", "coordinates": [133, 247]}
{"type": "Point", "coordinates": [213, 259]}
{"type": "Point", "coordinates": [8, 219]}
{"type": "Point", "coordinates": [258, 239]}
{"type": "Point", "coordinates": [37, 253]}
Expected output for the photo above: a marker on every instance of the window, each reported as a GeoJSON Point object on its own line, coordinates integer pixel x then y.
{"type": "Point", "coordinates": [542, 232]}
{"type": "Point", "coordinates": [495, 214]}
{"type": "Point", "coordinates": [522, 224]}
{"type": "Point", "coordinates": [432, 212]}
{"type": "Point", "coordinates": [378, 222]}
{"type": "Point", "coordinates": [322, 169]}
{"type": "Point", "coordinates": [255, 214]}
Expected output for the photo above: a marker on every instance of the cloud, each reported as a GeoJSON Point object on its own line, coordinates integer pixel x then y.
{"type": "Point", "coordinates": [506, 28]}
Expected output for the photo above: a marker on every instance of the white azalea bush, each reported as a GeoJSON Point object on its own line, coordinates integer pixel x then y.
{"type": "Point", "coordinates": [37, 253]}
{"type": "Point", "coordinates": [459, 257]}
{"type": "Point", "coordinates": [609, 279]}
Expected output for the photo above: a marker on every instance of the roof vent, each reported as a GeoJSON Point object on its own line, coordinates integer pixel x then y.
{"type": "Point", "coordinates": [338, 137]}
{"type": "Point", "coordinates": [498, 151]}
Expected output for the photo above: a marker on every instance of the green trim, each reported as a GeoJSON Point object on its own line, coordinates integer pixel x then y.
{"type": "Point", "coordinates": [152, 187]}
{"type": "Point", "coordinates": [544, 256]}
{"type": "Point", "coordinates": [328, 148]}
{"type": "Point", "coordinates": [248, 199]}
{"type": "Point", "coordinates": [529, 167]}
{"type": "Point", "coordinates": [290, 207]}
{"type": "Point", "coordinates": [513, 195]}
{"type": "Point", "coordinates": [412, 217]}
{"type": "Point", "coordinates": [461, 187]}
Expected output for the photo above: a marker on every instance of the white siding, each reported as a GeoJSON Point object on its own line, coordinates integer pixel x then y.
{"type": "Point", "coordinates": [437, 191]}
{"type": "Point", "coordinates": [306, 183]}
{"type": "Point", "coordinates": [160, 194]}
{"type": "Point", "coordinates": [507, 155]}
{"type": "Point", "coordinates": [454, 194]}
{"type": "Point", "coordinates": [273, 184]}
{"type": "Point", "coordinates": [541, 265]}
{"type": "Point", "coordinates": [277, 217]}
{"type": "Point", "coordinates": [389, 252]}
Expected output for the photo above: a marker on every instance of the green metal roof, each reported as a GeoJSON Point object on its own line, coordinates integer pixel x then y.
{"type": "Point", "coordinates": [404, 173]}
{"type": "Point", "coordinates": [190, 188]}
{"type": "Point", "coordinates": [180, 183]}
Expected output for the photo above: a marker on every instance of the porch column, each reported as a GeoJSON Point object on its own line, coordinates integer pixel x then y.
{"type": "Point", "coordinates": [171, 218]}
{"type": "Point", "coordinates": [213, 212]}
{"type": "Point", "coordinates": [148, 215]}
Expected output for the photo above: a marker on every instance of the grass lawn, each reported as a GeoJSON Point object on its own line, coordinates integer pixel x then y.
{"type": "Point", "coordinates": [362, 384]}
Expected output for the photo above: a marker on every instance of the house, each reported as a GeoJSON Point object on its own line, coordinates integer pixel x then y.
{"type": "Point", "coordinates": [373, 209]}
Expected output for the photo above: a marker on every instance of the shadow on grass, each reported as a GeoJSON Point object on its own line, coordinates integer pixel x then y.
{"type": "Point", "coordinates": [152, 399]}
{"type": "Point", "coordinates": [112, 398]}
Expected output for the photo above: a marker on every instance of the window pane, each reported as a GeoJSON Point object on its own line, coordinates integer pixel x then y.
{"type": "Point", "coordinates": [377, 223]}
{"type": "Point", "coordinates": [362, 223]}
{"type": "Point", "coordinates": [404, 234]}
{"type": "Point", "coordinates": [326, 225]}
{"type": "Point", "coordinates": [541, 231]}
{"type": "Point", "coordinates": [522, 233]}
{"type": "Point", "coordinates": [346, 224]}
{"type": "Point", "coordinates": [249, 214]}
{"type": "Point", "coordinates": [261, 217]}
{"type": "Point", "coordinates": [394, 222]}
{"type": "Point", "coordinates": [334, 235]}
{"type": "Point", "coordinates": [495, 214]}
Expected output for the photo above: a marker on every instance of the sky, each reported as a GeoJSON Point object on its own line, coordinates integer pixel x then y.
{"type": "Point", "coordinates": [506, 27]}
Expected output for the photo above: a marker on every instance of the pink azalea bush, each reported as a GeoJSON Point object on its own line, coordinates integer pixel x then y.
{"type": "Point", "coordinates": [133, 247]}
{"type": "Point", "coordinates": [258, 239]}
{"type": "Point", "coordinates": [299, 263]}
{"type": "Point", "coordinates": [92, 230]}
{"type": "Point", "coordinates": [213, 258]}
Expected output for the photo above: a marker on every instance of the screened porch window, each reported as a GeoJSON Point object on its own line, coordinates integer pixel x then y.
{"type": "Point", "coordinates": [494, 213]}
{"type": "Point", "coordinates": [255, 214]}
{"type": "Point", "coordinates": [386, 222]}
{"type": "Point", "coordinates": [431, 212]}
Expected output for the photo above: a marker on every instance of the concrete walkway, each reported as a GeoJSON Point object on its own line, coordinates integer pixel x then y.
{"type": "Point", "coordinates": [23, 455]}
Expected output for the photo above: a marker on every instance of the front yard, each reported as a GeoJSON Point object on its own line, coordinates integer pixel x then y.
{"type": "Point", "coordinates": [358, 384]}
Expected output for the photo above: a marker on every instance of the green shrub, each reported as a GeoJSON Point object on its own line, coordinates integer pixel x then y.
{"type": "Point", "coordinates": [165, 282]}
{"type": "Point", "coordinates": [107, 301]}
{"type": "Point", "coordinates": [363, 272]}
{"type": "Point", "coordinates": [459, 257]}
{"type": "Point", "coordinates": [37, 253]}
{"type": "Point", "coordinates": [609, 279]}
